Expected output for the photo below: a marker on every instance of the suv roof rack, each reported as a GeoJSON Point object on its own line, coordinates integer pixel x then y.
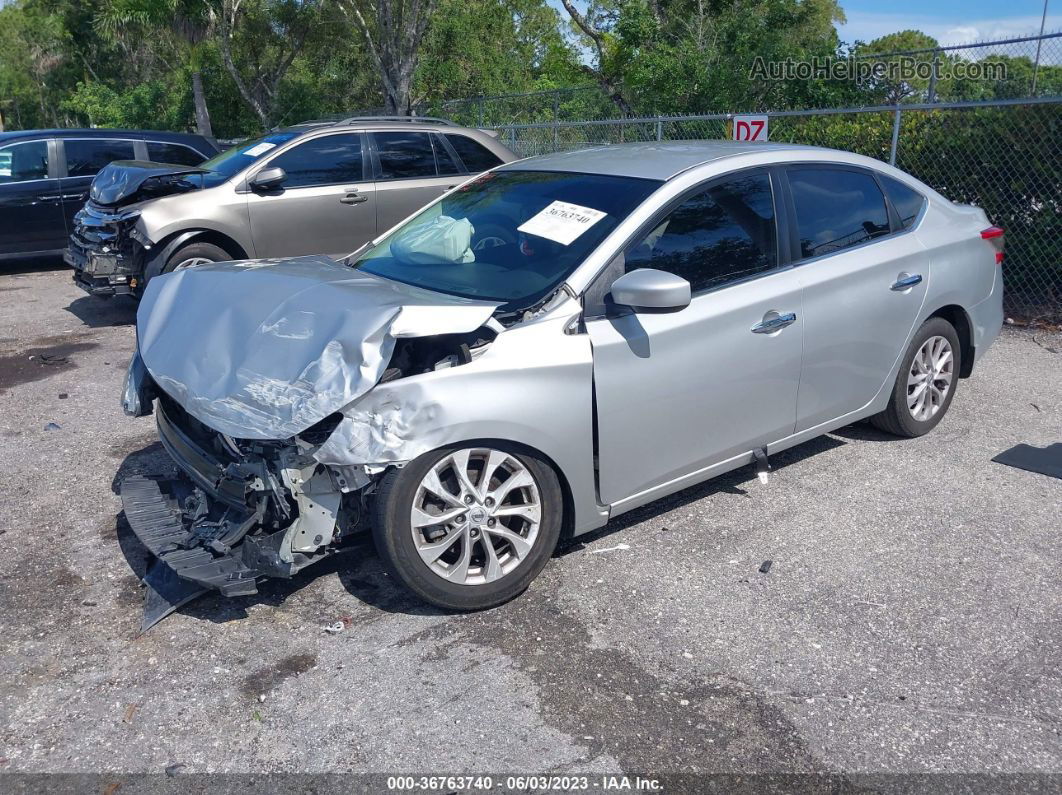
{"type": "Point", "coordinates": [422, 119]}
{"type": "Point", "coordinates": [356, 119]}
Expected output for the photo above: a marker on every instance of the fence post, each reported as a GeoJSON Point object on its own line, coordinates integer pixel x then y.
{"type": "Point", "coordinates": [895, 135]}
{"type": "Point", "coordinates": [932, 93]}
{"type": "Point", "coordinates": [659, 130]}
{"type": "Point", "coordinates": [556, 117]}
{"type": "Point", "coordinates": [481, 116]}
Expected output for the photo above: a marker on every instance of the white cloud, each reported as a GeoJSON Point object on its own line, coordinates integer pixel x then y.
{"type": "Point", "coordinates": [867, 26]}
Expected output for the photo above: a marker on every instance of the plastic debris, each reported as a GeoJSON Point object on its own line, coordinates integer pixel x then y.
{"type": "Point", "coordinates": [63, 395]}
{"type": "Point", "coordinates": [344, 622]}
{"type": "Point", "coordinates": [174, 769]}
{"type": "Point", "coordinates": [765, 566]}
{"type": "Point", "coordinates": [617, 548]}
{"type": "Point", "coordinates": [53, 426]}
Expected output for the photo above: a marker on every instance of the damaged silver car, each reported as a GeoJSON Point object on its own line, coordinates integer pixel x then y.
{"type": "Point", "coordinates": [646, 317]}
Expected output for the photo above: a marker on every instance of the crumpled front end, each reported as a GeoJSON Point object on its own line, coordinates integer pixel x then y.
{"type": "Point", "coordinates": [239, 511]}
{"type": "Point", "coordinates": [247, 367]}
{"type": "Point", "coordinates": [106, 250]}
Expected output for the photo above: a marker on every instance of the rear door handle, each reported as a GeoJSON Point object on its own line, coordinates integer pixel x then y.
{"type": "Point", "coordinates": [354, 198]}
{"type": "Point", "coordinates": [50, 197]}
{"type": "Point", "coordinates": [773, 322]}
{"type": "Point", "coordinates": [906, 281]}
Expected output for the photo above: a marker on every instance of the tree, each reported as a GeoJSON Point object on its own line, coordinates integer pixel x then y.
{"type": "Point", "coordinates": [265, 37]}
{"type": "Point", "coordinates": [189, 21]}
{"type": "Point", "coordinates": [393, 31]}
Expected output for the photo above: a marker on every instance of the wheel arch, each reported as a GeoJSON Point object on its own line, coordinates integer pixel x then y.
{"type": "Point", "coordinates": [169, 244]}
{"type": "Point", "coordinates": [960, 321]}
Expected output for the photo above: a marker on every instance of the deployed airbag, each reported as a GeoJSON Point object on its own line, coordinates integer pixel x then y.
{"type": "Point", "coordinates": [444, 240]}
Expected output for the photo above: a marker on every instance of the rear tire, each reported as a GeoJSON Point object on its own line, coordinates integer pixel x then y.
{"type": "Point", "coordinates": [445, 561]}
{"type": "Point", "coordinates": [926, 382]}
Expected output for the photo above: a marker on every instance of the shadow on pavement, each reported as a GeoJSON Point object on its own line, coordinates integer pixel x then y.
{"type": "Point", "coordinates": [96, 312]}
{"type": "Point", "coordinates": [32, 265]}
{"type": "Point", "coordinates": [357, 565]}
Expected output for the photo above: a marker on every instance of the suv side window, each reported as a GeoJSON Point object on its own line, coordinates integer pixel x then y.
{"type": "Point", "coordinates": [720, 235]}
{"type": "Point", "coordinates": [475, 156]}
{"type": "Point", "coordinates": [907, 201]}
{"type": "Point", "coordinates": [178, 154]}
{"type": "Point", "coordinates": [24, 161]}
{"type": "Point", "coordinates": [86, 156]}
{"type": "Point", "coordinates": [836, 209]}
{"type": "Point", "coordinates": [405, 154]}
{"type": "Point", "coordinates": [328, 160]}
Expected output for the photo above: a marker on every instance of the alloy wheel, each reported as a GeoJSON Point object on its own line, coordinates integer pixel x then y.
{"type": "Point", "coordinates": [191, 262]}
{"type": "Point", "coordinates": [475, 516]}
{"type": "Point", "coordinates": [929, 379]}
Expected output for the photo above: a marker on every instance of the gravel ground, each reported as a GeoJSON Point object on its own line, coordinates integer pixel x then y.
{"type": "Point", "coordinates": [911, 622]}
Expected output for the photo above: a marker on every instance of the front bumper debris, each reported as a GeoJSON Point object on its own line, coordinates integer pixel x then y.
{"type": "Point", "coordinates": [233, 516]}
{"type": "Point", "coordinates": [105, 257]}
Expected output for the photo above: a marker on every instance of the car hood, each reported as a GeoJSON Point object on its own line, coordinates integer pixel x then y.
{"type": "Point", "coordinates": [264, 349]}
{"type": "Point", "coordinates": [127, 181]}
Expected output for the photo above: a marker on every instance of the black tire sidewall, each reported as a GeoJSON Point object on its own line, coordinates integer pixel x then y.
{"type": "Point", "coordinates": [393, 535]}
{"type": "Point", "coordinates": [206, 250]}
{"type": "Point", "coordinates": [934, 327]}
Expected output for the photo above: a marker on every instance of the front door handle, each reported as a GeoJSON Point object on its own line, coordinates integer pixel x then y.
{"type": "Point", "coordinates": [354, 198]}
{"type": "Point", "coordinates": [773, 322]}
{"type": "Point", "coordinates": [906, 281]}
{"type": "Point", "coordinates": [50, 197]}
{"type": "Point", "coordinates": [73, 196]}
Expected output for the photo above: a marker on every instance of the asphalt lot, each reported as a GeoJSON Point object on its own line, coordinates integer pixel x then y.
{"type": "Point", "coordinates": [911, 621]}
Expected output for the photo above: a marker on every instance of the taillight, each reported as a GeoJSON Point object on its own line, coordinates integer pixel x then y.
{"type": "Point", "coordinates": [995, 235]}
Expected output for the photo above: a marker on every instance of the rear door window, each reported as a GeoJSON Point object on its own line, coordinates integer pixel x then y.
{"type": "Point", "coordinates": [723, 234]}
{"type": "Point", "coordinates": [328, 160]}
{"type": "Point", "coordinates": [84, 157]}
{"type": "Point", "coordinates": [475, 155]}
{"type": "Point", "coordinates": [24, 161]}
{"type": "Point", "coordinates": [404, 155]}
{"type": "Point", "coordinates": [906, 201]}
{"type": "Point", "coordinates": [178, 154]}
{"type": "Point", "coordinates": [836, 209]}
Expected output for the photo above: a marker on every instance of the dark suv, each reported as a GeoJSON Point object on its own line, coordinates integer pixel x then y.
{"type": "Point", "coordinates": [322, 187]}
{"type": "Point", "coordinates": [45, 177]}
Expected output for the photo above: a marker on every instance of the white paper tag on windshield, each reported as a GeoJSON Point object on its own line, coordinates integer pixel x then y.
{"type": "Point", "coordinates": [561, 222]}
{"type": "Point", "coordinates": [259, 149]}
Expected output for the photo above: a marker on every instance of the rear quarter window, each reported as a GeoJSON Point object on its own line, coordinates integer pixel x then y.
{"type": "Point", "coordinates": [907, 201]}
{"type": "Point", "coordinates": [473, 154]}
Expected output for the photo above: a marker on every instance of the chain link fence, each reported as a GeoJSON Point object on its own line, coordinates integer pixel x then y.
{"type": "Point", "coordinates": [1004, 156]}
{"type": "Point", "coordinates": [979, 136]}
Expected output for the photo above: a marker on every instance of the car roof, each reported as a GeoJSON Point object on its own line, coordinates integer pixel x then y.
{"type": "Point", "coordinates": [419, 122]}
{"type": "Point", "coordinates": [659, 160]}
{"type": "Point", "coordinates": [98, 132]}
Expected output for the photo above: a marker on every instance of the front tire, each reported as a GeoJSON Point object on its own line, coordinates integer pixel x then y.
{"type": "Point", "coordinates": [468, 527]}
{"type": "Point", "coordinates": [925, 385]}
{"type": "Point", "coordinates": [195, 254]}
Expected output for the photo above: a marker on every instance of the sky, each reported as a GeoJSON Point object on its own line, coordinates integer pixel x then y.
{"type": "Point", "coordinates": [948, 21]}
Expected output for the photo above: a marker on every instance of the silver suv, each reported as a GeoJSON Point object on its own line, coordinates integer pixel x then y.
{"type": "Point", "coordinates": [320, 187]}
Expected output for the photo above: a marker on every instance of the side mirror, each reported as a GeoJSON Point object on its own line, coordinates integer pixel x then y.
{"type": "Point", "coordinates": [647, 288]}
{"type": "Point", "coordinates": [268, 178]}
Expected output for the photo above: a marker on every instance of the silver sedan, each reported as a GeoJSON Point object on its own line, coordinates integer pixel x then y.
{"type": "Point", "coordinates": [550, 345]}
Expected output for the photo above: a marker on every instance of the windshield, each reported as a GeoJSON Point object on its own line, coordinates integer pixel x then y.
{"type": "Point", "coordinates": [509, 236]}
{"type": "Point", "coordinates": [236, 159]}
